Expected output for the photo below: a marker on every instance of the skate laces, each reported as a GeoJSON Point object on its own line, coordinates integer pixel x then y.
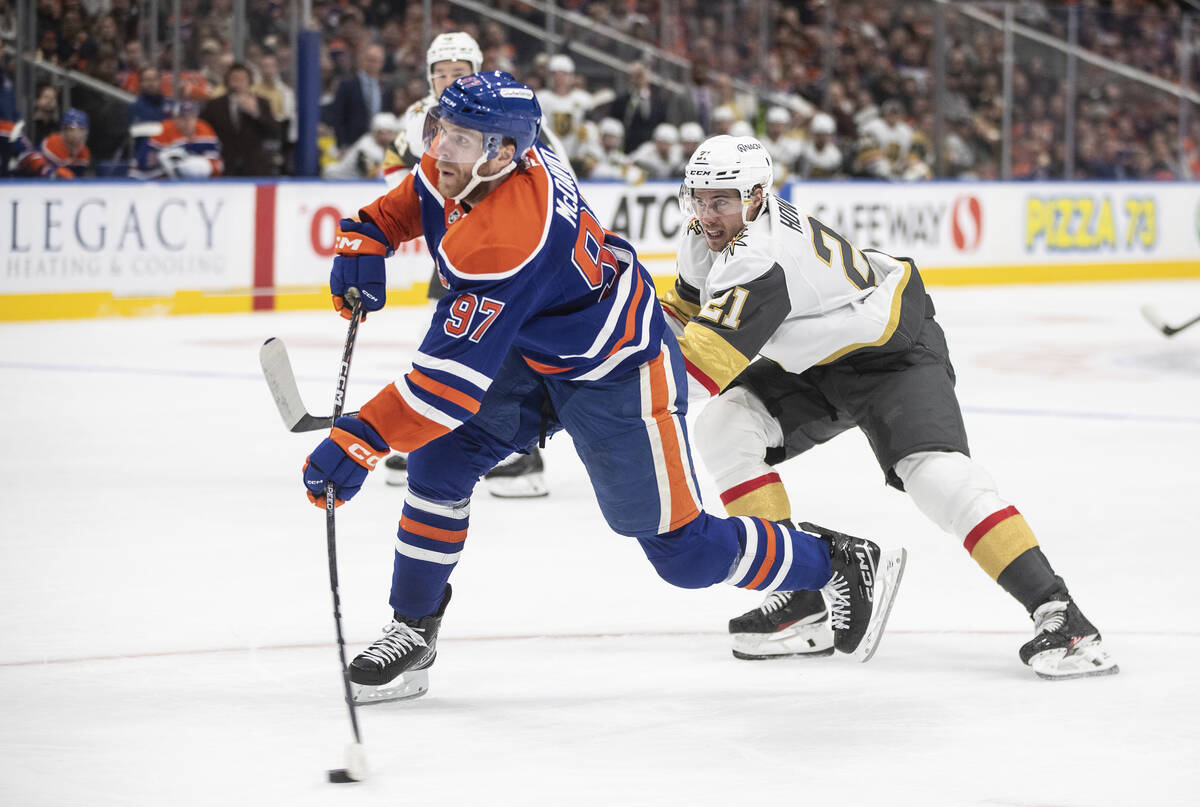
{"type": "Point", "coordinates": [774, 601]}
{"type": "Point", "coordinates": [1050, 617]}
{"type": "Point", "coordinates": [398, 639]}
{"type": "Point", "coordinates": [837, 590]}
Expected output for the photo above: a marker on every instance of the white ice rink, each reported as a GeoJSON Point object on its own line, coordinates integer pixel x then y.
{"type": "Point", "coordinates": [166, 637]}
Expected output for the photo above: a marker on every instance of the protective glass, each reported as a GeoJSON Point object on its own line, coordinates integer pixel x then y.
{"type": "Point", "coordinates": [449, 142]}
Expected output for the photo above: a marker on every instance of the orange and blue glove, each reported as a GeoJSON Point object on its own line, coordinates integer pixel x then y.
{"type": "Point", "coordinates": [361, 247]}
{"type": "Point", "coordinates": [344, 457]}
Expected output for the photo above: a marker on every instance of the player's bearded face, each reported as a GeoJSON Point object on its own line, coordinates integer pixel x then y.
{"type": "Point", "coordinates": [456, 149]}
{"type": "Point", "coordinates": [719, 213]}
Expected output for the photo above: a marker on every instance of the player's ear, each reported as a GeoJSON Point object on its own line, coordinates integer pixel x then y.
{"type": "Point", "coordinates": [507, 152]}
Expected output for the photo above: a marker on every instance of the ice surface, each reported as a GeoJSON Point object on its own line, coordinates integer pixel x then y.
{"type": "Point", "coordinates": [165, 628]}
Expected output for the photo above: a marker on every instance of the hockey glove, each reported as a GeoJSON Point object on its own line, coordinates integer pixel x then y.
{"type": "Point", "coordinates": [344, 457]}
{"type": "Point", "coordinates": [361, 247]}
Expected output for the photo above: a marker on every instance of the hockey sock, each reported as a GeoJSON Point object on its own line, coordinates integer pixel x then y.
{"type": "Point", "coordinates": [777, 557]}
{"type": "Point", "coordinates": [762, 496]}
{"type": "Point", "coordinates": [1005, 547]}
{"type": "Point", "coordinates": [428, 545]}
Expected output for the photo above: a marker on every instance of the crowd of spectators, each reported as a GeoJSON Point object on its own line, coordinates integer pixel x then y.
{"type": "Point", "coordinates": [841, 88]}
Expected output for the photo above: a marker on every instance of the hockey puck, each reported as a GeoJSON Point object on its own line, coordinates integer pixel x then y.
{"type": "Point", "coordinates": [340, 776]}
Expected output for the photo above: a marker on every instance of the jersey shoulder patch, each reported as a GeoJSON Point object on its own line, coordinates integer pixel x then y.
{"type": "Point", "coordinates": [504, 232]}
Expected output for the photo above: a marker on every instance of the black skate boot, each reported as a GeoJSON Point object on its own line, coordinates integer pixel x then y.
{"type": "Point", "coordinates": [1067, 645]}
{"type": "Point", "coordinates": [518, 477]}
{"type": "Point", "coordinates": [787, 624]}
{"type": "Point", "coordinates": [397, 470]}
{"type": "Point", "coordinates": [394, 667]}
{"type": "Point", "coordinates": [860, 591]}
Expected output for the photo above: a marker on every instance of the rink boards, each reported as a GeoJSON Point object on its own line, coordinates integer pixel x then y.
{"type": "Point", "coordinates": [101, 248]}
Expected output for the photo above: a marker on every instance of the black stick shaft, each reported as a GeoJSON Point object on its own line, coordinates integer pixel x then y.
{"type": "Point", "coordinates": [339, 401]}
{"type": "Point", "coordinates": [1171, 331]}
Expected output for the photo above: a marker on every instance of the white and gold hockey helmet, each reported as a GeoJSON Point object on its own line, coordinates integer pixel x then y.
{"type": "Point", "coordinates": [456, 46]}
{"type": "Point", "coordinates": [725, 162]}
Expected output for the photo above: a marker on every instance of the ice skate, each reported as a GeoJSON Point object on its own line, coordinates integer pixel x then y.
{"type": "Point", "coordinates": [518, 477]}
{"type": "Point", "coordinates": [861, 590]}
{"type": "Point", "coordinates": [1066, 645]}
{"type": "Point", "coordinates": [397, 470]}
{"type": "Point", "coordinates": [396, 666]}
{"type": "Point", "coordinates": [787, 624]}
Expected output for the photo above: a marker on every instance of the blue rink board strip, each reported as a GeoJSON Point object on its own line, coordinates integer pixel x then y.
{"type": "Point", "coordinates": [1112, 417]}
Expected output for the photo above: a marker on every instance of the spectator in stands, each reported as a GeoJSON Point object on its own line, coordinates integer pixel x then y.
{"type": "Point", "coordinates": [660, 157]}
{"type": "Point", "coordinates": [364, 159]}
{"type": "Point", "coordinates": [640, 109]}
{"type": "Point", "coordinates": [282, 99]}
{"type": "Point", "coordinates": [820, 158]}
{"type": "Point", "coordinates": [244, 124]}
{"type": "Point", "coordinates": [62, 155]}
{"type": "Point", "coordinates": [210, 63]}
{"type": "Point", "coordinates": [186, 148]}
{"type": "Point", "coordinates": [359, 98]}
{"type": "Point", "coordinates": [109, 130]}
{"type": "Point", "coordinates": [8, 115]}
{"type": "Point", "coordinates": [46, 118]}
{"type": "Point", "coordinates": [148, 110]}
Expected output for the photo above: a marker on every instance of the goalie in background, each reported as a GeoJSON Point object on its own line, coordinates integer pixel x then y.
{"type": "Point", "coordinates": [804, 337]}
{"type": "Point", "coordinates": [185, 148]}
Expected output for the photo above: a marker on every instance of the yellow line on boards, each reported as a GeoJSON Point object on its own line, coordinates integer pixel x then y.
{"type": "Point", "coordinates": [84, 305]}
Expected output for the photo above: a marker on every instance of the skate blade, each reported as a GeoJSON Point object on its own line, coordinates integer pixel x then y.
{"type": "Point", "coordinates": [887, 583]}
{"type": "Point", "coordinates": [799, 640]}
{"type": "Point", "coordinates": [405, 687]}
{"type": "Point", "coordinates": [525, 486]}
{"type": "Point", "coordinates": [1082, 662]}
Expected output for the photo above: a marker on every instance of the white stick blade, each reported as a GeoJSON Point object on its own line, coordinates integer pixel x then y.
{"type": "Point", "coordinates": [277, 369]}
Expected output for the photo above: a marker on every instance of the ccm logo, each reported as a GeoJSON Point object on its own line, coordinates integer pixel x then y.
{"type": "Point", "coordinates": [363, 455]}
{"type": "Point", "coordinates": [868, 575]}
{"type": "Point", "coordinates": [348, 243]}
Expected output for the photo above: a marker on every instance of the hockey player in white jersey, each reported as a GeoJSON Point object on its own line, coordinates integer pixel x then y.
{"type": "Point", "coordinates": [805, 336]}
{"type": "Point", "coordinates": [565, 108]}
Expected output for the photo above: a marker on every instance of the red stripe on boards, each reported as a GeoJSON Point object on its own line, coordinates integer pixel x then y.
{"type": "Point", "coordinates": [264, 246]}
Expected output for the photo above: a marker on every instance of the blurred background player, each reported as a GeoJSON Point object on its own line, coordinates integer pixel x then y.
{"type": "Point", "coordinates": [820, 158]}
{"type": "Point", "coordinates": [782, 144]}
{"type": "Point", "coordinates": [565, 107]}
{"type": "Point", "coordinates": [364, 159]}
{"type": "Point", "coordinates": [608, 160]}
{"type": "Point", "coordinates": [804, 337]}
{"type": "Point", "coordinates": [61, 155]}
{"type": "Point", "coordinates": [551, 323]}
{"type": "Point", "coordinates": [186, 148]}
{"type": "Point", "coordinates": [691, 135]}
{"type": "Point", "coordinates": [661, 156]}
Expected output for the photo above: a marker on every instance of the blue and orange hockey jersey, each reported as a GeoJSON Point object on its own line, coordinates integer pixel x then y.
{"type": "Point", "coordinates": [202, 143]}
{"type": "Point", "coordinates": [529, 268]}
{"type": "Point", "coordinates": [54, 159]}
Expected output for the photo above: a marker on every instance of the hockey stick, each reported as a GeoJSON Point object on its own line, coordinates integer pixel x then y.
{"type": "Point", "coordinates": [277, 369]}
{"type": "Point", "coordinates": [356, 762]}
{"type": "Point", "coordinates": [1154, 319]}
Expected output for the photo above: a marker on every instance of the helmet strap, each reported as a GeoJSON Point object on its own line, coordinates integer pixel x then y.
{"type": "Point", "coordinates": [476, 178]}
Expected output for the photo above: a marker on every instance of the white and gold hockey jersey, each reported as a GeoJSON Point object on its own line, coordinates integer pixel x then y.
{"type": "Point", "coordinates": [406, 150]}
{"type": "Point", "coordinates": [792, 290]}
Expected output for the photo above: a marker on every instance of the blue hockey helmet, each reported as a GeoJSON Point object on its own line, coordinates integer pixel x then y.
{"type": "Point", "coordinates": [75, 118]}
{"type": "Point", "coordinates": [493, 103]}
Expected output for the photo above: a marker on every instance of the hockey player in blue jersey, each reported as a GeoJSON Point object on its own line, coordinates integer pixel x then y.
{"type": "Point", "coordinates": [549, 322]}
